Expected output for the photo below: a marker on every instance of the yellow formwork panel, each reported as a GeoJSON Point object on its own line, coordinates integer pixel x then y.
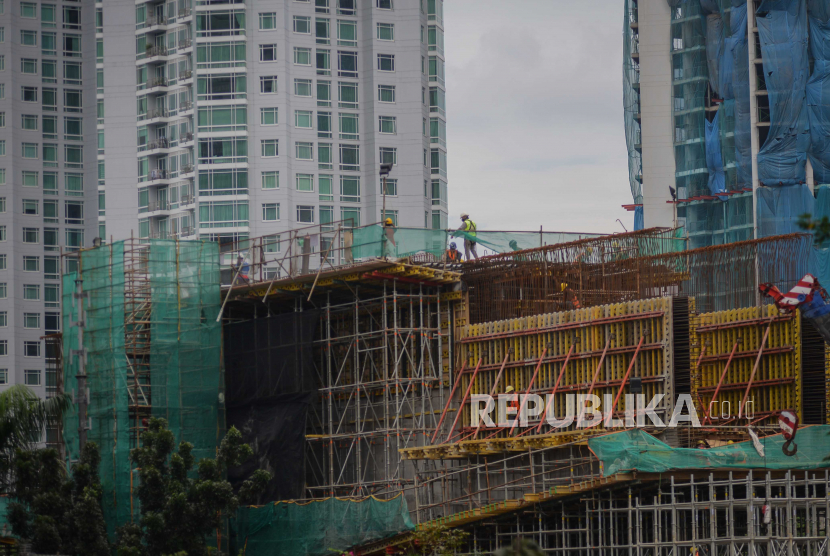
{"type": "Point", "coordinates": [777, 382]}
{"type": "Point", "coordinates": [621, 325]}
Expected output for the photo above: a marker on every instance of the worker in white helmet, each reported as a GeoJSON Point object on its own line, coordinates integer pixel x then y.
{"type": "Point", "coordinates": [469, 227]}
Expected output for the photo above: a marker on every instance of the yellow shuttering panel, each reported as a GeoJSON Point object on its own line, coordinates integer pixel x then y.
{"type": "Point", "coordinates": [520, 343]}
{"type": "Point", "coordinates": [776, 384]}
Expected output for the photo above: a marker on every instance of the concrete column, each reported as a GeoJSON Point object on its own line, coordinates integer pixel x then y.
{"type": "Point", "coordinates": [753, 110]}
{"type": "Point", "coordinates": [656, 108]}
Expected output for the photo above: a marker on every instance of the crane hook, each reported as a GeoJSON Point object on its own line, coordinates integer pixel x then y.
{"type": "Point", "coordinates": [786, 448]}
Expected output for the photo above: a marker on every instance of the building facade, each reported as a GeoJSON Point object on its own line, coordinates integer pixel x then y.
{"type": "Point", "coordinates": [205, 120]}
{"type": "Point", "coordinates": [726, 103]}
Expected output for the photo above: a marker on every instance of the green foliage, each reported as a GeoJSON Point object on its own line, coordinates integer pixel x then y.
{"type": "Point", "coordinates": [520, 547]}
{"type": "Point", "coordinates": [182, 501]}
{"type": "Point", "coordinates": [56, 513]}
{"type": "Point", "coordinates": [438, 540]}
{"type": "Point", "coordinates": [23, 416]}
{"type": "Point", "coordinates": [819, 227]}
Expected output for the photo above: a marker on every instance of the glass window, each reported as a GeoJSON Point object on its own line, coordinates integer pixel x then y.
{"type": "Point", "coordinates": [269, 116]}
{"type": "Point", "coordinates": [268, 53]}
{"type": "Point", "coordinates": [386, 62]}
{"type": "Point", "coordinates": [349, 189]}
{"type": "Point", "coordinates": [350, 216]}
{"type": "Point", "coordinates": [31, 235]}
{"type": "Point", "coordinates": [302, 87]}
{"type": "Point", "coordinates": [50, 100]}
{"type": "Point", "coordinates": [50, 183]}
{"type": "Point", "coordinates": [387, 124]}
{"type": "Point", "coordinates": [268, 84]}
{"type": "Point", "coordinates": [28, 65]}
{"type": "Point", "coordinates": [305, 214]}
{"type": "Point", "coordinates": [347, 64]}
{"type": "Point", "coordinates": [302, 24]}
{"type": "Point", "coordinates": [270, 148]}
{"type": "Point", "coordinates": [29, 150]}
{"type": "Point", "coordinates": [323, 93]}
{"type": "Point", "coordinates": [346, 33]}
{"type": "Point", "coordinates": [223, 118]}
{"type": "Point", "coordinates": [384, 4]}
{"type": "Point", "coordinates": [73, 129]}
{"type": "Point", "coordinates": [348, 95]}
{"type": "Point", "coordinates": [322, 30]}
{"type": "Point", "coordinates": [304, 150]}
{"type": "Point", "coordinates": [223, 214]}
{"type": "Point", "coordinates": [323, 62]}
{"type": "Point", "coordinates": [388, 155]}
{"type": "Point", "coordinates": [73, 184]}
{"type": "Point", "coordinates": [73, 156]}
{"type": "Point", "coordinates": [391, 187]}
{"type": "Point", "coordinates": [31, 320]}
{"type": "Point", "coordinates": [48, 15]}
{"type": "Point", "coordinates": [28, 10]}
{"type": "Point", "coordinates": [303, 119]}
{"type": "Point", "coordinates": [73, 100]}
{"type": "Point", "coordinates": [220, 23]}
{"type": "Point", "coordinates": [267, 21]}
{"type": "Point", "coordinates": [386, 93]}
{"type": "Point", "coordinates": [271, 180]}
{"type": "Point", "coordinates": [386, 31]}
{"type": "Point", "coordinates": [72, 45]}
{"type": "Point", "coordinates": [350, 158]}
{"type": "Point", "coordinates": [271, 243]}
{"type": "Point", "coordinates": [30, 179]}
{"type": "Point", "coordinates": [29, 122]}
{"type": "Point", "coordinates": [305, 182]}
{"type": "Point", "coordinates": [29, 94]}
{"type": "Point", "coordinates": [230, 181]}
{"type": "Point", "coordinates": [270, 212]}
{"type": "Point", "coordinates": [324, 184]}
{"type": "Point", "coordinates": [324, 124]}
{"type": "Point", "coordinates": [302, 56]}
{"type": "Point", "coordinates": [32, 376]}
{"type": "Point", "coordinates": [48, 44]}
{"type": "Point", "coordinates": [31, 263]}
{"type": "Point", "coordinates": [324, 156]}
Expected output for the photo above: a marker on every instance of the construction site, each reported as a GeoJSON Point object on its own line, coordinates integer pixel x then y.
{"type": "Point", "coordinates": [350, 359]}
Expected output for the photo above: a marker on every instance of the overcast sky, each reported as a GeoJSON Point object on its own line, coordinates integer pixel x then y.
{"type": "Point", "coordinates": [535, 132]}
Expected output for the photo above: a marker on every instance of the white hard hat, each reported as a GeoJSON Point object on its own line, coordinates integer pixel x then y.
{"type": "Point", "coordinates": [464, 215]}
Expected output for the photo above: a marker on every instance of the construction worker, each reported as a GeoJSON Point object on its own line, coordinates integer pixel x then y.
{"type": "Point", "coordinates": [452, 255]}
{"type": "Point", "coordinates": [569, 297]}
{"type": "Point", "coordinates": [243, 268]}
{"type": "Point", "coordinates": [512, 405]}
{"type": "Point", "coordinates": [514, 245]}
{"type": "Point", "coordinates": [469, 227]}
{"type": "Point", "coordinates": [389, 247]}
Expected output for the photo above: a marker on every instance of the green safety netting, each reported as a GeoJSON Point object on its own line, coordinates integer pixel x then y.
{"type": "Point", "coordinates": [153, 303]}
{"type": "Point", "coordinates": [374, 241]}
{"type": "Point", "coordinates": [635, 450]}
{"type": "Point", "coordinates": [316, 528]}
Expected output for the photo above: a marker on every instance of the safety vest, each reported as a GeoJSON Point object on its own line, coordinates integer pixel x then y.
{"type": "Point", "coordinates": [470, 228]}
{"type": "Point", "coordinates": [452, 255]}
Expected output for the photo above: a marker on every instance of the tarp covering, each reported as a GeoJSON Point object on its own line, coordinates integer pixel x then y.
{"type": "Point", "coordinates": [714, 159]}
{"type": "Point", "coordinates": [737, 50]}
{"type": "Point", "coordinates": [818, 93]}
{"type": "Point", "coordinates": [783, 30]}
{"type": "Point", "coordinates": [639, 222]}
{"type": "Point", "coordinates": [635, 450]}
{"type": "Point", "coordinates": [779, 208]}
{"type": "Point", "coordinates": [317, 528]}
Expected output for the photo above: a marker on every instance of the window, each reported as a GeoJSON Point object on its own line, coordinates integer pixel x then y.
{"type": "Point", "coordinates": [304, 150]}
{"type": "Point", "coordinates": [48, 44]}
{"type": "Point", "coordinates": [31, 263]}
{"type": "Point", "coordinates": [73, 101]}
{"type": "Point", "coordinates": [302, 24]}
{"type": "Point", "coordinates": [302, 87]}
{"type": "Point", "coordinates": [386, 31]}
{"type": "Point", "coordinates": [4, 347]}
{"type": "Point", "coordinates": [386, 62]}
{"type": "Point", "coordinates": [438, 131]}
{"type": "Point", "coordinates": [349, 189]}
{"type": "Point", "coordinates": [347, 64]}
{"type": "Point", "coordinates": [324, 124]}
{"type": "Point", "coordinates": [51, 293]}
{"type": "Point", "coordinates": [220, 23]}
{"type": "Point", "coordinates": [386, 93]}
{"type": "Point", "coordinates": [323, 62]}
{"type": "Point", "coordinates": [303, 119]}
{"type": "Point", "coordinates": [348, 95]}
{"type": "Point", "coordinates": [384, 4]}
{"type": "Point", "coordinates": [305, 214]}
{"type": "Point", "coordinates": [270, 212]}
{"type": "Point", "coordinates": [223, 150]}
{"type": "Point", "coordinates": [438, 162]}
{"type": "Point", "coordinates": [302, 56]}
{"type": "Point", "coordinates": [73, 129]}
{"type": "Point", "coordinates": [323, 93]}
{"type": "Point", "coordinates": [74, 212]}
{"type": "Point", "coordinates": [32, 376]}
{"type": "Point", "coordinates": [4, 319]}
{"type": "Point", "coordinates": [31, 235]}
{"type": "Point", "coordinates": [2, 176]}
{"type": "Point", "coordinates": [305, 182]}
{"type": "Point", "coordinates": [2, 205]}
{"type": "Point", "coordinates": [388, 155]}
{"type": "Point", "coordinates": [387, 124]}
{"type": "Point", "coordinates": [391, 187]}
{"type": "Point", "coordinates": [50, 183]}
{"type": "Point", "coordinates": [268, 53]}
{"type": "Point", "coordinates": [223, 118]}
{"type": "Point", "coordinates": [322, 6]}
{"type": "Point", "coordinates": [73, 185]}
{"type": "Point", "coordinates": [268, 84]}
{"type": "Point", "coordinates": [350, 216]}
{"type": "Point", "coordinates": [29, 122]}
{"type": "Point", "coordinates": [350, 158]}
{"type": "Point", "coordinates": [271, 243]}
{"type": "Point", "coordinates": [220, 55]}
{"type": "Point", "coordinates": [322, 30]}
{"type": "Point", "coordinates": [3, 233]}
{"type": "Point", "coordinates": [217, 182]}
{"type": "Point", "coordinates": [3, 290]}
{"type": "Point", "coordinates": [29, 150]}
{"type": "Point", "coordinates": [346, 7]}
{"type": "Point", "coordinates": [71, 17]}
{"type": "Point", "coordinates": [73, 156]}
{"type": "Point", "coordinates": [48, 16]}
{"type": "Point", "coordinates": [51, 267]}
{"type": "Point", "coordinates": [52, 322]}
{"type": "Point", "coordinates": [267, 21]}
{"type": "Point", "coordinates": [28, 10]}
{"type": "Point", "coordinates": [4, 376]}
{"type": "Point", "coordinates": [269, 116]}
{"type": "Point", "coordinates": [222, 87]}
{"type": "Point", "coordinates": [31, 320]}
{"type": "Point", "coordinates": [270, 180]}
{"type": "Point", "coordinates": [223, 214]}
{"type": "Point", "coordinates": [74, 238]}
{"type": "Point", "coordinates": [29, 94]}
{"type": "Point", "coordinates": [346, 33]}
{"type": "Point", "coordinates": [270, 148]}
{"type": "Point", "coordinates": [437, 100]}
{"type": "Point", "coordinates": [326, 218]}
{"type": "Point", "coordinates": [436, 69]}
{"type": "Point", "coordinates": [72, 45]}
{"type": "Point", "coordinates": [28, 38]}
{"type": "Point", "coordinates": [324, 156]}
{"type": "Point", "coordinates": [28, 65]}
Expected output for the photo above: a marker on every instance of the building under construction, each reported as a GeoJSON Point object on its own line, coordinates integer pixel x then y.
{"type": "Point", "coordinates": [351, 367]}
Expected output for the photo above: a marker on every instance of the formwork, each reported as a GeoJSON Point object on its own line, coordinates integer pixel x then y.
{"type": "Point", "coordinates": [749, 366]}
{"type": "Point", "coordinates": [592, 351]}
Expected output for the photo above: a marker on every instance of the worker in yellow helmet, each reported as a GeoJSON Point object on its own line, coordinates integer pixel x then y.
{"type": "Point", "coordinates": [389, 247]}
{"type": "Point", "coordinates": [469, 229]}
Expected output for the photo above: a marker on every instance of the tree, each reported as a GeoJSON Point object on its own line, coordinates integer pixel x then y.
{"type": "Point", "coordinates": [23, 416]}
{"type": "Point", "coordinates": [520, 547]}
{"type": "Point", "coordinates": [178, 510]}
{"type": "Point", "coordinates": [438, 540]}
{"type": "Point", "coordinates": [58, 514]}
{"type": "Point", "coordinates": [820, 227]}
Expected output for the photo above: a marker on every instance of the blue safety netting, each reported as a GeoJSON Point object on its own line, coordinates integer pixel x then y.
{"type": "Point", "coordinates": [738, 103]}
{"type": "Point", "coordinates": [783, 30]}
{"type": "Point", "coordinates": [818, 91]}
{"type": "Point", "coordinates": [714, 159]}
{"type": "Point", "coordinates": [631, 104]}
{"type": "Point", "coordinates": [639, 221]}
{"type": "Point", "coordinates": [779, 207]}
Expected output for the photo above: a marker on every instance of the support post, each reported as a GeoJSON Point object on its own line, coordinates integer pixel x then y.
{"type": "Point", "coordinates": [625, 379]}
{"type": "Point", "coordinates": [555, 386]}
{"type": "Point", "coordinates": [706, 418]}
{"type": "Point", "coordinates": [449, 401]}
{"type": "Point", "coordinates": [755, 367]}
{"type": "Point", "coordinates": [529, 386]}
{"type": "Point", "coordinates": [464, 399]}
{"type": "Point", "coordinates": [594, 379]}
{"type": "Point", "coordinates": [495, 384]}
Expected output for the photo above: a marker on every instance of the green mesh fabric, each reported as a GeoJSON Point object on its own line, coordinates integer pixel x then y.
{"type": "Point", "coordinates": [316, 528]}
{"type": "Point", "coordinates": [635, 450]}
{"type": "Point", "coordinates": [180, 282]}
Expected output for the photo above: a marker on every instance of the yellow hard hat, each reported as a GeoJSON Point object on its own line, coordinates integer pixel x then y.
{"type": "Point", "coordinates": [508, 389]}
{"type": "Point", "coordinates": [388, 222]}
{"type": "Point", "coordinates": [563, 285]}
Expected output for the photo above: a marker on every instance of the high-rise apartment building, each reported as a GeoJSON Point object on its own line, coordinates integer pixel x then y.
{"type": "Point", "coordinates": [48, 171]}
{"type": "Point", "coordinates": [726, 103]}
{"type": "Point", "coordinates": [204, 119]}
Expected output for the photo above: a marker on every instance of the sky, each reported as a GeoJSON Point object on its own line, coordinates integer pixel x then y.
{"type": "Point", "coordinates": [535, 132]}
